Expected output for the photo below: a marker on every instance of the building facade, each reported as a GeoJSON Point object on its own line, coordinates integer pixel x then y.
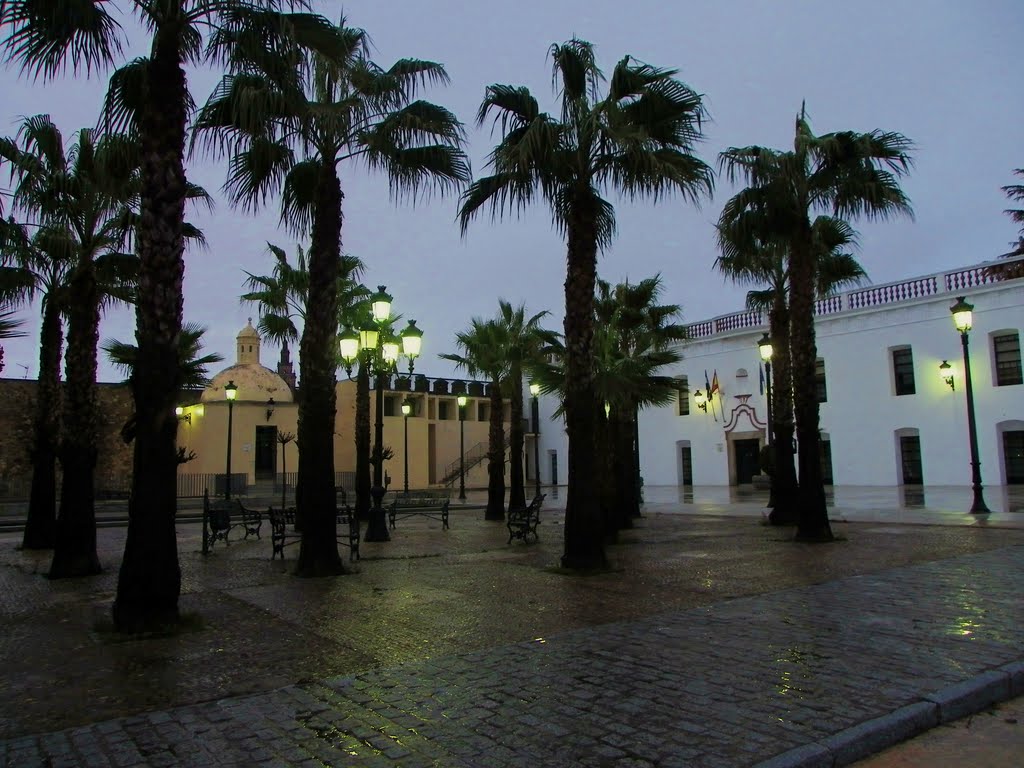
{"type": "Point", "coordinates": [265, 411]}
{"type": "Point", "coordinates": [887, 415]}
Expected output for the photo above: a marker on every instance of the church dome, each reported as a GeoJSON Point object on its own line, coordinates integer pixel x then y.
{"type": "Point", "coordinates": [255, 382]}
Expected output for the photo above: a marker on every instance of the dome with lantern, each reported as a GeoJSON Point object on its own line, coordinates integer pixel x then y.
{"type": "Point", "coordinates": [254, 382]}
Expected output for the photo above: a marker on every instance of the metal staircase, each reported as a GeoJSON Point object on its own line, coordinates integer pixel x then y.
{"type": "Point", "coordinates": [473, 456]}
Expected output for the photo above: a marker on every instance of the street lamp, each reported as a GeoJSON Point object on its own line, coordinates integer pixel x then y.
{"type": "Point", "coordinates": [230, 391]}
{"type": "Point", "coordinates": [701, 400]}
{"type": "Point", "coordinates": [764, 346]}
{"type": "Point", "coordinates": [380, 351]}
{"type": "Point", "coordinates": [406, 410]}
{"type": "Point", "coordinates": [962, 320]}
{"type": "Point", "coordinates": [534, 392]}
{"type": "Point", "coordinates": [462, 400]}
{"type": "Point", "coordinates": [946, 373]}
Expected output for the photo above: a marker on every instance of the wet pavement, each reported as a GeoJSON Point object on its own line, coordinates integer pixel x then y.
{"type": "Point", "coordinates": [714, 641]}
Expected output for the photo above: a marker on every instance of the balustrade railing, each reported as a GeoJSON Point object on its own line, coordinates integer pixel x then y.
{"type": "Point", "coordinates": [913, 289]}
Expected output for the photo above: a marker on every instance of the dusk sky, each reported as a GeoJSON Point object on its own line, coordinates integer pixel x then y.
{"type": "Point", "coordinates": [945, 74]}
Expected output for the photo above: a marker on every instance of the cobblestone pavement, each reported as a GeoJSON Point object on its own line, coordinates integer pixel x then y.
{"type": "Point", "coordinates": [714, 642]}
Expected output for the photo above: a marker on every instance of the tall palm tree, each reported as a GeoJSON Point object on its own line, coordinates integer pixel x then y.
{"type": "Point", "coordinates": [747, 259]}
{"type": "Point", "coordinates": [638, 139]}
{"type": "Point", "coordinates": [38, 266]}
{"type": "Point", "coordinates": [845, 174]}
{"type": "Point", "coordinates": [288, 127]}
{"type": "Point", "coordinates": [523, 341]}
{"type": "Point", "coordinates": [83, 198]}
{"type": "Point", "coordinates": [153, 91]}
{"type": "Point", "coordinates": [484, 353]}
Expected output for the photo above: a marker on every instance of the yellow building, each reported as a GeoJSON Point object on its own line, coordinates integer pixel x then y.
{"type": "Point", "coordinates": [265, 410]}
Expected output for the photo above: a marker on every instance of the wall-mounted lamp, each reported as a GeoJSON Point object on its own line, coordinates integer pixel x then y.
{"type": "Point", "coordinates": [182, 416]}
{"type": "Point", "coordinates": [946, 372]}
{"type": "Point", "coordinates": [270, 408]}
{"type": "Point", "coordinates": [701, 400]}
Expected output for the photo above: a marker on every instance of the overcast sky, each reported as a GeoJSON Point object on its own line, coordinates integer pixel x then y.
{"type": "Point", "coordinates": [945, 74]}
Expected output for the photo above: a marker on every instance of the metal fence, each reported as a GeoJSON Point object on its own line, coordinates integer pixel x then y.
{"type": "Point", "coordinates": [189, 486]}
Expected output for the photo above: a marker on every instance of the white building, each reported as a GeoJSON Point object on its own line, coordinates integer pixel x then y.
{"type": "Point", "coordinates": [887, 416]}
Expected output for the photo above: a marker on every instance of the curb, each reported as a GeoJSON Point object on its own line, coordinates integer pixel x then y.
{"type": "Point", "coordinates": [872, 736]}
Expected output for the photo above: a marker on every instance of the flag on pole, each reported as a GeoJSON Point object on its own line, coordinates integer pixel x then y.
{"type": "Point", "coordinates": [760, 378]}
{"type": "Point", "coordinates": [714, 383]}
{"type": "Point", "coordinates": [711, 398]}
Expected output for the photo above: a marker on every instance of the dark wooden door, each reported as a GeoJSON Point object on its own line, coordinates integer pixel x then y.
{"type": "Point", "coordinates": [746, 454]}
{"type": "Point", "coordinates": [266, 452]}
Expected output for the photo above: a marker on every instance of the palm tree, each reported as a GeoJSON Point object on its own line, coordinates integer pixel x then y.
{"type": "Point", "coordinates": [151, 94]}
{"type": "Point", "coordinates": [288, 127]}
{"type": "Point", "coordinates": [745, 258]}
{"type": "Point", "coordinates": [83, 200]}
{"type": "Point", "coordinates": [485, 353]}
{"type": "Point", "coordinates": [9, 329]}
{"type": "Point", "coordinates": [635, 337]}
{"type": "Point", "coordinates": [1014, 192]}
{"type": "Point", "coordinates": [523, 340]}
{"type": "Point", "coordinates": [845, 174]}
{"type": "Point", "coordinates": [638, 139]}
{"type": "Point", "coordinates": [282, 297]}
{"type": "Point", "coordinates": [38, 267]}
{"type": "Point", "coordinates": [193, 367]}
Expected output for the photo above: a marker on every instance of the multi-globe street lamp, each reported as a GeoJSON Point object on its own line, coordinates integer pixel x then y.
{"type": "Point", "coordinates": [406, 411]}
{"type": "Point", "coordinates": [462, 400]}
{"type": "Point", "coordinates": [962, 319]}
{"type": "Point", "coordinates": [535, 408]}
{"type": "Point", "coordinates": [230, 391]}
{"type": "Point", "coordinates": [379, 350]}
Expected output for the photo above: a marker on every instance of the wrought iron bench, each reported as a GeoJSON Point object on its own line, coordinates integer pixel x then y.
{"type": "Point", "coordinates": [283, 532]}
{"type": "Point", "coordinates": [429, 504]}
{"type": "Point", "coordinates": [221, 516]}
{"type": "Point", "coordinates": [523, 522]}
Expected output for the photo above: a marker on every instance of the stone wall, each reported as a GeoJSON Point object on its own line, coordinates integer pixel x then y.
{"type": "Point", "coordinates": [17, 404]}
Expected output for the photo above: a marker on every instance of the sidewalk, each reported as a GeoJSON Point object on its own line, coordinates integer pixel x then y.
{"type": "Point", "coordinates": [714, 642]}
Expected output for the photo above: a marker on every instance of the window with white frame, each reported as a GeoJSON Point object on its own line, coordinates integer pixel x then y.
{"type": "Point", "coordinates": [903, 371]}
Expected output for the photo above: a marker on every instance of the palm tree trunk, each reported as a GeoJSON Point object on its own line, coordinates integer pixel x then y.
{"type": "Point", "coordinates": [74, 552]}
{"type": "Point", "coordinates": [318, 555]}
{"type": "Point", "coordinates": [496, 456]}
{"type": "Point", "coordinates": [517, 489]}
{"type": "Point", "coordinates": [784, 483]}
{"type": "Point", "coordinates": [812, 523]}
{"type": "Point", "coordinates": [622, 466]}
{"type": "Point", "coordinates": [41, 522]}
{"type": "Point", "coordinates": [584, 534]}
{"type": "Point", "coordinates": [606, 477]}
{"type": "Point", "coordinates": [149, 582]}
{"type": "Point", "coordinates": [362, 437]}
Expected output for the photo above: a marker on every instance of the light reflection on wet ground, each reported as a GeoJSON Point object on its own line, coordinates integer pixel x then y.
{"type": "Point", "coordinates": [427, 594]}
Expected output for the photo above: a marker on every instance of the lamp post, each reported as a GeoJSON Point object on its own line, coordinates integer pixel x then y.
{"type": "Point", "coordinates": [406, 410]}
{"type": "Point", "coordinates": [534, 392]}
{"type": "Point", "coordinates": [380, 350]}
{"type": "Point", "coordinates": [962, 319]}
{"type": "Point", "coordinates": [462, 400]}
{"type": "Point", "coordinates": [764, 346]}
{"type": "Point", "coordinates": [230, 390]}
